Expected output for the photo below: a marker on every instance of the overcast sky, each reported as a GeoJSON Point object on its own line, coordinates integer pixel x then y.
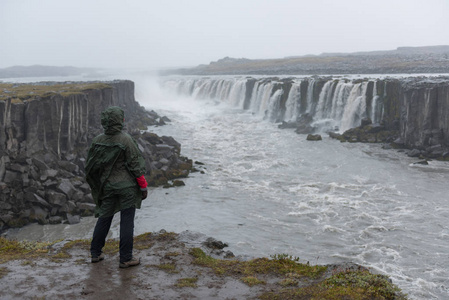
{"type": "Point", "coordinates": [174, 33]}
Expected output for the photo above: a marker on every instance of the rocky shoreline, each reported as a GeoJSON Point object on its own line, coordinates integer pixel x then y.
{"type": "Point", "coordinates": [45, 131]}
{"type": "Point", "coordinates": [375, 133]}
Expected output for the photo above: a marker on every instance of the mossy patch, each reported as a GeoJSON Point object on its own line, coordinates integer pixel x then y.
{"type": "Point", "coordinates": [187, 282]}
{"type": "Point", "coordinates": [169, 268]}
{"type": "Point", "coordinates": [11, 249]}
{"type": "Point", "coordinates": [143, 241]}
{"type": "Point", "coordinates": [166, 236]}
{"type": "Point", "coordinates": [279, 264]}
{"type": "Point", "coordinates": [252, 280]}
{"type": "Point", "coordinates": [344, 285]}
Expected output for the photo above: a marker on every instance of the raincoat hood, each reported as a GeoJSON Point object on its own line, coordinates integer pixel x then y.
{"type": "Point", "coordinates": [112, 120]}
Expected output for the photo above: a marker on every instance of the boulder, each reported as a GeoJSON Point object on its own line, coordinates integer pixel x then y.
{"type": "Point", "coordinates": [25, 180]}
{"type": "Point", "coordinates": [165, 119]}
{"type": "Point", "coordinates": [414, 153]}
{"type": "Point", "coordinates": [38, 214]}
{"type": "Point", "coordinates": [85, 188]}
{"type": "Point", "coordinates": [66, 187]}
{"type": "Point", "coordinates": [51, 173]}
{"type": "Point", "coordinates": [42, 166]}
{"type": "Point", "coordinates": [178, 183]}
{"type": "Point", "coordinates": [68, 207]}
{"type": "Point", "coordinates": [214, 244]}
{"type": "Point", "coordinates": [366, 122]}
{"type": "Point", "coordinates": [68, 166]}
{"type": "Point", "coordinates": [314, 137]}
{"type": "Point", "coordinates": [305, 124]}
{"type": "Point", "coordinates": [55, 220]}
{"type": "Point", "coordinates": [172, 142]}
{"type": "Point", "coordinates": [55, 198]}
{"type": "Point", "coordinates": [10, 176]}
{"type": "Point", "coordinates": [73, 219]}
{"type": "Point", "coordinates": [18, 168]}
{"type": "Point", "coordinates": [36, 199]}
{"type": "Point", "coordinates": [86, 206]}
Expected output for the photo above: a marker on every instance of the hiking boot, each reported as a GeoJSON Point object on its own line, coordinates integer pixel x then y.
{"type": "Point", "coordinates": [130, 263]}
{"type": "Point", "coordinates": [96, 259]}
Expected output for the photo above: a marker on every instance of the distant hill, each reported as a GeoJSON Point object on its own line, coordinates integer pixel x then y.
{"type": "Point", "coordinates": [429, 59]}
{"type": "Point", "coordinates": [42, 71]}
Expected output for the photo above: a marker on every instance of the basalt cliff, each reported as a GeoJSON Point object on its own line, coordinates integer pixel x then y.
{"type": "Point", "coordinates": [45, 131]}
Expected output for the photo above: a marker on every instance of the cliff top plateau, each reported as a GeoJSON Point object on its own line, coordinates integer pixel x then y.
{"type": "Point", "coordinates": [19, 92]}
{"type": "Point", "coordinates": [430, 59]}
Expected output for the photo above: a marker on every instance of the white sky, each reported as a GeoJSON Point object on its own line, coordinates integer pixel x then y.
{"type": "Point", "coordinates": [177, 33]}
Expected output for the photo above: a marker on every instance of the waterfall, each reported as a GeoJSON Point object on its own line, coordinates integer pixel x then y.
{"type": "Point", "coordinates": [310, 96]}
{"type": "Point", "coordinates": [377, 106]}
{"type": "Point", "coordinates": [342, 92]}
{"type": "Point", "coordinates": [293, 103]}
{"type": "Point", "coordinates": [261, 97]}
{"type": "Point", "coordinates": [274, 106]}
{"type": "Point", "coordinates": [237, 93]}
{"type": "Point", "coordinates": [324, 101]}
{"type": "Point", "coordinates": [355, 108]}
{"type": "Point", "coordinates": [332, 103]}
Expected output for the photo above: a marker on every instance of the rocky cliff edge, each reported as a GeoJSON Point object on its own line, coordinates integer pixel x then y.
{"type": "Point", "coordinates": [45, 131]}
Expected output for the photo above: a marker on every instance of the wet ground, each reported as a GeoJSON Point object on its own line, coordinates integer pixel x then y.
{"type": "Point", "coordinates": [167, 271]}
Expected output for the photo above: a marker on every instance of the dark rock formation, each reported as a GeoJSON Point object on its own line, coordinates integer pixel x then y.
{"type": "Point", "coordinates": [304, 124]}
{"type": "Point", "coordinates": [415, 117]}
{"type": "Point", "coordinates": [367, 133]}
{"type": "Point", "coordinates": [314, 137]}
{"type": "Point", "coordinates": [44, 140]}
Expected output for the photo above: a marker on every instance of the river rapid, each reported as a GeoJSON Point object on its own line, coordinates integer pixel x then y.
{"type": "Point", "coordinates": [268, 191]}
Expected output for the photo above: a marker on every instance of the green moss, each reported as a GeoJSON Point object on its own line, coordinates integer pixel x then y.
{"type": "Point", "coordinates": [171, 254]}
{"type": "Point", "coordinates": [279, 264]}
{"type": "Point", "coordinates": [61, 255]}
{"type": "Point", "coordinates": [169, 268]}
{"type": "Point", "coordinates": [187, 282]}
{"type": "Point", "coordinates": [143, 241]}
{"type": "Point", "coordinates": [345, 285]}
{"type": "Point", "coordinates": [166, 236]}
{"type": "Point", "coordinates": [252, 280]}
{"type": "Point", "coordinates": [83, 244]}
{"type": "Point", "coordinates": [288, 282]}
{"type": "Point", "coordinates": [11, 249]}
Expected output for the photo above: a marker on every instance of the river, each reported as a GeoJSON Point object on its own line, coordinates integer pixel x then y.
{"type": "Point", "coordinates": [268, 191]}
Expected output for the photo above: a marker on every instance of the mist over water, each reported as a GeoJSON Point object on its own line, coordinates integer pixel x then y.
{"type": "Point", "coordinates": [267, 191]}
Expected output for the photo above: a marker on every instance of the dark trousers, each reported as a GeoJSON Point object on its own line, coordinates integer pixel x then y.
{"type": "Point", "coordinates": [126, 234]}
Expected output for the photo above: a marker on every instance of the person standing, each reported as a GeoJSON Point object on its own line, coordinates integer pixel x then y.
{"type": "Point", "coordinates": [115, 171]}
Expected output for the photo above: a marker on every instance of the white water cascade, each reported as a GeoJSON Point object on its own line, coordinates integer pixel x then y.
{"type": "Point", "coordinates": [334, 104]}
{"type": "Point", "coordinates": [292, 104]}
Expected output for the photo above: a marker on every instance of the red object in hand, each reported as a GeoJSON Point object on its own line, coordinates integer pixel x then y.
{"type": "Point", "coordinates": [142, 182]}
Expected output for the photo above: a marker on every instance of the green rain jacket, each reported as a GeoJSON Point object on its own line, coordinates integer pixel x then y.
{"type": "Point", "coordinates": [114, 161]}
